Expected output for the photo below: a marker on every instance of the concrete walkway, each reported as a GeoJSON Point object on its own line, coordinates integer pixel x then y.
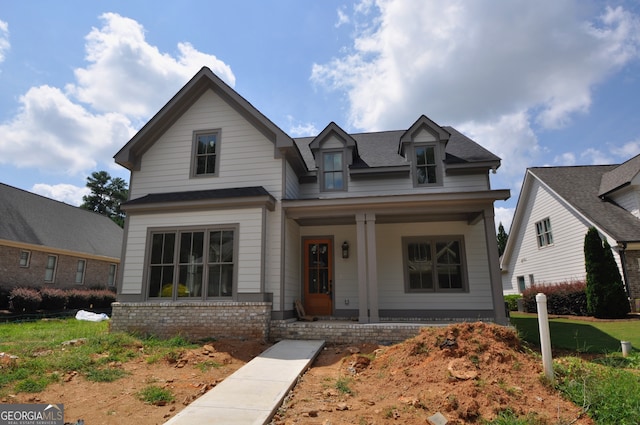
{"type": "Point", "coordinates": [253, 393]}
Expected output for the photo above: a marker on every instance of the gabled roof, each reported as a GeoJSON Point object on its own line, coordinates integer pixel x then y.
{"type": "Point", "coordinates": [336, 130]}
{"type": "Point", "coordinates": [129, 156]}
{"type": "Point", "coordinates": [32, 219]}
{"type": "Point", "coordinates": [579, 186]}
{"type": "Point", "coordinates": [423, 122]}
{"type": "Point", "coordinates": [619, 176]}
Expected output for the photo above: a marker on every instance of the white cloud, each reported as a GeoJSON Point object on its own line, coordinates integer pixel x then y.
{"type": "Point", "coordinates": [343, 18]}
{"type": "Point", "coordinates": [504, 216]}
{"type": "Point", "coordinates": [4, 39]}
{"type": "Point", "coordinates": [66, 193]}
{"type": "Point", "coordinates": [128, 75]}
{"type": "Point", "coordinates": [565, 159]}
{"type": "Point", "coordinates": [596, 157]}
{"type": "Point", "coordinates": [79, 129]}
{"type": "Point", "coordinates": [298, 129]}
{"type": "Point", "coordinates": [627, 151]}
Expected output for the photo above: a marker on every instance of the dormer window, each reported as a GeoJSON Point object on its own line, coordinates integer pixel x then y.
{"type": "Point", "coordinates": [333, 171]}
{"type": "Point", "coordinates": [426, 165]}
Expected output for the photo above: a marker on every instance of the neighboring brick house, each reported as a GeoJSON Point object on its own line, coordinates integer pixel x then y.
{"type": "Point", "coordinates": [49, 243]}
{"type": "Point", "coordinates": [230, 221]}
{"type": "Point", "coordinates": [557, 205]}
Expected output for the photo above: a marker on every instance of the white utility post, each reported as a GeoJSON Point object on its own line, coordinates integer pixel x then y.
{"type": "Point", "coordinates": [545, 336]}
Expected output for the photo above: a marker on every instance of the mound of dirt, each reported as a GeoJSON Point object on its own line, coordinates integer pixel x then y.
{"type": "Point", "coordinates": [460, 374]}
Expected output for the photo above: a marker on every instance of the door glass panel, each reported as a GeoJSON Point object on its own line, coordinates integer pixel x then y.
{"type": "Point", "coordinates": [318, 270]}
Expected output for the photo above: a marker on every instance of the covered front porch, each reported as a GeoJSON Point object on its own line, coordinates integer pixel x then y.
{"type": "Point", "coordinates": [370, 282]}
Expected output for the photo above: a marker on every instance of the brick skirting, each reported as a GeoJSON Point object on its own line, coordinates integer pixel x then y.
{"type": "Point", "coordinates": [194, 320]}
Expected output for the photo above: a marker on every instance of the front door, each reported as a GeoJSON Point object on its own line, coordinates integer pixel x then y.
{"type": "Point", "coordinates": [318, 277]}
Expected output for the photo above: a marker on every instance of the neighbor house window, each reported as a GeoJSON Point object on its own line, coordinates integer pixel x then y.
{"type": "Point", "coordinates": [111, 279]}
{"type": "Point", "coordinates": [521, 284]}
{"type": "Point", "coordinates": [206, 156]}
{"type": "Point", "coordinates": [426, 165]}
{"type": "Point", "coordinates": [50, 269]}
{"type": "Point", "coordinates": [25, 257]}
{"type": "Point", "coordinates": [434, 264]}
{"type": "Point", "coordinates": [332, 171]}
{"type": "Point", "coordinates": [192, 263]}
{"type": "Point", "coordinates": [543, 233]}
{"type": "Point", "coordinates": [80, 271]}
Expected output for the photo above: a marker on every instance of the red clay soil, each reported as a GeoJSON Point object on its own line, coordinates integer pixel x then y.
{"type": "Point", "coordinates": [467, 372]}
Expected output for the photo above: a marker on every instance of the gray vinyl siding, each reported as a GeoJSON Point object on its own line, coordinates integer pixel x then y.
{"type": "Point", "coordinates": [246, 156]}
{"type": "Point", "coordinates": [291, 185]}
{"type": "Point", "coordinates": [249, 223]}
{"type": "Point", "coordinates": [629, 199]}
{"type": "Point", "coordinates": [563, 261]}
{"type": "Point", "coordinates": [397, 186]}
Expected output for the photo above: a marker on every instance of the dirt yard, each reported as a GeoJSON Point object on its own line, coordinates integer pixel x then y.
{"type": "Point", "coordinates": [463, 372]}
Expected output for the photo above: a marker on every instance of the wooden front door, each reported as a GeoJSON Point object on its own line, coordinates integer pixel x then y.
{"type": "Point", "coordinates": [318, 277]}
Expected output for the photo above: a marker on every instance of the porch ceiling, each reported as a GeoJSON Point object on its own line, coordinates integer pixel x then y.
{"type": "Point", "coordinates": [461, 206]}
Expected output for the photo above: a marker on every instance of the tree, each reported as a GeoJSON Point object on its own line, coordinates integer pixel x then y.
{"type": "Point", "coordinates": [107, 193]}
{"type": "Point", "coordinates": [606, 296]}
{"type": "Point", "coordinates": [502, 239]}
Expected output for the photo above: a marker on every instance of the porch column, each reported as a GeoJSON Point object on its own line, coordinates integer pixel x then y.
{"type": "Point", "coordinates": [363, 307]}
{"type": "Point", "coordinates": [372, 268]}
{"type": "Point", "coordinates": [494, 266]}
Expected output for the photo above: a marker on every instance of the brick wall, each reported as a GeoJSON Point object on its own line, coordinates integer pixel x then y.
{"type": "Point", "coordinates": [633, 277]}
{"type": "Point", "coordinates": [194, 320]}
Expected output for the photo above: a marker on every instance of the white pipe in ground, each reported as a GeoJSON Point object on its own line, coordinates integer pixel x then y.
{"type": "Point", "coordinates": [545, 336]}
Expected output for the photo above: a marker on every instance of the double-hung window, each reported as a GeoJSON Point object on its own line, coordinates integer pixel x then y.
{"type": "Point", "coordinates": [25, 257]}
{"type": "Point", "coordinates": [206, 153]}
{"type": "Point", "coordinates": [426, 165]}
{"type": "Point", "coordinates": [197, 264]}
{"type": "Point", "coordinates": [543, 232]}
{"type": "Point", "coordinates": [80, 268]}
{"type": "Point", "coordinates": [111, 280]}
{"type": "Point", "coordinates": [333, 171]}
{"type": "Point", "coordinates": [50, 268]}
{"type": "Point", "coordinates": [434, 264]}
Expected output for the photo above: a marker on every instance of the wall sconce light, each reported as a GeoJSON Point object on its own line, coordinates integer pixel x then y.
{"type": "Point", "coordinates": [345, 249]}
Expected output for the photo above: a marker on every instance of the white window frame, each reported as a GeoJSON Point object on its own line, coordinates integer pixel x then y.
{"type": "Point", "coordinates": [544, 235]}
{"type": "Point", "coordinates": [80, 271]}
{"type": "Point", "coordinates": [25, 258]}
{"type": "Point", "coordinates": [111, 279]}
{"type": "Point", "coordinates": [50, 272]}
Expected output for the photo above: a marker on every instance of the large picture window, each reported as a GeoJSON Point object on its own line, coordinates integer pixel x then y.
{"type": "Point", "coordinates": [543, 232]}
{"type": "Point", "coordinates": [206, 153]}
{"type": "Point", "coordinates": [196, 264]}
{"type": "Point", "coordinates": [434, 264]}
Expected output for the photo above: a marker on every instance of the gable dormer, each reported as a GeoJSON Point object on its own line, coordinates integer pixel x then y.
{"type": "Point", "coordinates": [333, 151]}
{"type": "Point", "coordinates": [423, 145]}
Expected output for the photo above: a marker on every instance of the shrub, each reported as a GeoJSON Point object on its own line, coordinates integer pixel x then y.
{"type": "Point", "coordinates": [77, 299]}
{"type": "Point", "coordinates": [566, 298]}
{"type": "Point", "coordinates": [100, 298]}
{"type": "Point", "coordinates": [512, 301]}
{"type": "Point", "coordinates": [4, 297]}
{"type": "Point", "coordinates": [53, 299]}
{"type": "Point", "coordinates": [24, 299]}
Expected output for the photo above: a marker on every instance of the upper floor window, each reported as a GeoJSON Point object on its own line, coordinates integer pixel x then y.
{"type": "Point", "coordinates": [543, 233]}
{"type": "Point", "coordinates": [333, 171]}
{"type": "Point", "coordinates": [206, 156]}
{"type": "Point", "coordinates": [25, 257]}
{"type": "Point", "coordinates": [192, 264]}
{"type": "Point", "coordinates": [426, 165]}
{"type": "Point", "coordinates": [434, 264]}
{"type": "Point", "coordinates": [50, 268]}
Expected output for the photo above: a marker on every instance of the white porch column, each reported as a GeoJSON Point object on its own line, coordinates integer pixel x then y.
{"type": "Point", "coordinates": [363, 306]}
{"type": "Point", "coordinates": [372, 268]}
{"type": "Point", "coordinates": [494, 266]}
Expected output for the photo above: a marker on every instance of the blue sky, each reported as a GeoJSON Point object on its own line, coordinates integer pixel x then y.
{"type": "Point", "coordinates": [551, 82]}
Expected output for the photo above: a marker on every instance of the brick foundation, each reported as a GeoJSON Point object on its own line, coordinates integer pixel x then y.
{"type": "Point", "coordinates": [194, 320]}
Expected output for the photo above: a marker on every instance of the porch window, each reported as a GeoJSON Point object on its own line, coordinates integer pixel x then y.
{"type": "Point", "coordinates": [434, 264]}
{"type": "Point", "coordinates": [201, 261]}
{"type": "Point", "coordinates": [206, 153]}
{"type": "Point", "coordinates": [333, 171]}
{"type": "Point", "coordinates": [543, 233]}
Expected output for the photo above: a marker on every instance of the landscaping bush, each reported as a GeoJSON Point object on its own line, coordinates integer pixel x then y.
{"type": "Point", "coordinates": [567, 298]}
{"type": "Point", "coordinates": [78, 299]}
{"type": "Point", "coordinates": [4, 297]}
{"type": "Point", "coordinates": [100, 298]}
{"type": "Point", "coordinates": [53, 299]}
{"type": "Point", "coordinates": [24, 299]}
{"type": "Point", "coordinates": [512, 302]}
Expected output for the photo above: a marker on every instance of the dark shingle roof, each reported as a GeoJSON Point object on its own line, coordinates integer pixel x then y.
{"type": "Point", "coordinates": [380, 149]}
{"type": "Point", "coordinates": [620, 176]}
{"type": "Point", "coordinates": [199, 195]}
{"type": "Point", "coordinates": [36, 220]}
{"type": "Point", "coordinates": [579, 186]}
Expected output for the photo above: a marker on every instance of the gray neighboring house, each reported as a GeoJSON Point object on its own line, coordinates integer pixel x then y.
{"type": "Point", "coordinates": [556, 207]}
{"type": "Point", "coordinates": [230, 221]}
{"type": "Point", "coordinates": [44, 242]}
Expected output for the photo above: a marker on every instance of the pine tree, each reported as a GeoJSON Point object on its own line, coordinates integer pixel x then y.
{"type": "Point", "coordinates": [106, 195]}
{"type": "Point", "coordinates": [606, 296]}
{"type": "Point", "coordinates": [502, 239]}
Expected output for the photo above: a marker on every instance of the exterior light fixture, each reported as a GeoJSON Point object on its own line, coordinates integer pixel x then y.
{"type": "Point", "coordinates": [345, 249]}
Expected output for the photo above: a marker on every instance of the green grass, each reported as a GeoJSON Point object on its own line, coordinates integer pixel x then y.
{"type": "Point", "coordinates": [343, 385]}
{"type": "Point", "coordinates": [42, 357]}
{"type": "Point", "coordinates": [579, 335]}
{"type": "Point", "coordinates": [153, 394]}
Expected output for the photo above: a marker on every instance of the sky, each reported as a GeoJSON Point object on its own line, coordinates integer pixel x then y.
{"type": "Point", "coordinates": [544, 83]}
